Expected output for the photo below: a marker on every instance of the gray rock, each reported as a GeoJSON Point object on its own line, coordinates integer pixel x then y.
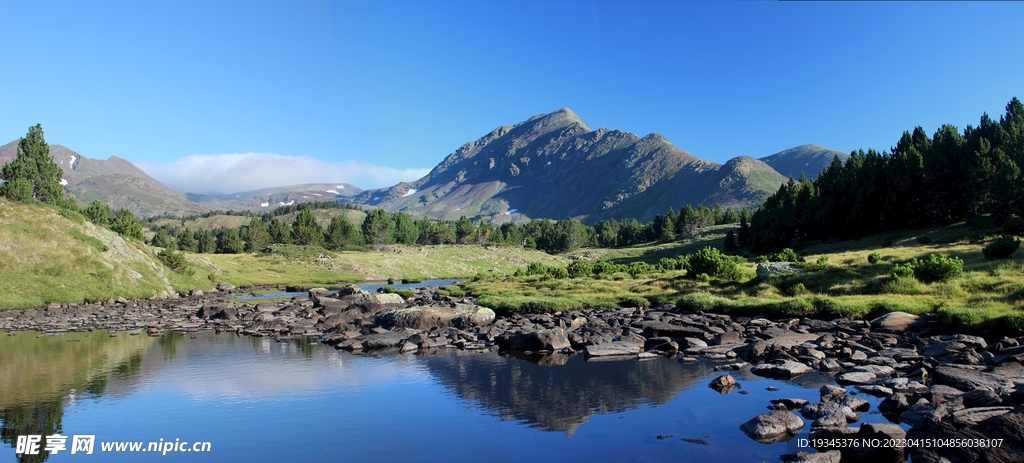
{"type": "Point", "coordinates": [894, 404]}
{"type": "Point", "coordinates": [382, 340]}
{"type": "Point", "coordinates": [972, 416]}
{"type": "Point", "coordinates": [875, 390]}
{"type": "Point", "coordinates": [551, 340]}
{"type": "Point", "coordinates": [789, 403]}
{"type": "Point", "coordinates": [821, 409]}
{"type": "Point", "coordinates": [611, 349]}
{"type": "Point", "coordinates": [766, 270]}
{"type": "Point", "coordinates": [894, 322]}
{"type": "Point", "coordinates": [771, 427]}
{"type": "Point", "coordinates": [919, 413]}
{"type": "Point", "coordinates": [967, 379]}
{"type": "Point", "coordinates": [856, 377]}
{"type": "Point", "coordinates": [785, 369]}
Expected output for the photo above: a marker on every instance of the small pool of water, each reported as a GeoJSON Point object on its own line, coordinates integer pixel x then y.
{"type": "Point", "coordinates": [368, 286]}
{"type": "Point", "coordinates": [255, 399]}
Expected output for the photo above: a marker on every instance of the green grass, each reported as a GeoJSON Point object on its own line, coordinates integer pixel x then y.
{"type": "Point", "coordinates": [988, 296]}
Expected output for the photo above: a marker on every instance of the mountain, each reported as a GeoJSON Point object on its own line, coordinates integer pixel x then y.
{"type": "Point", "coordinates": [809, 160]}
{"type": "Point", "coordinates": [269, 198]}
{"type": "Point", "coordinates": [555, 166]}
{"type": "Point", "coordinates": [115, 182]}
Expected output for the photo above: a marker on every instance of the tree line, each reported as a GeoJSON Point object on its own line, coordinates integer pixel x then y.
{"type": "Point", "coordinates": [922, 181]}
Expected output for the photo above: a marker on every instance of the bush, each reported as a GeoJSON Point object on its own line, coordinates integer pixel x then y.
{"type": "Point", "coordinates": [713, 263]}
{"type": "Point", "coordinates": [703, 278]}
{"type": "Point", "coordinates": [1014, 225]}
{"type": "Point", "coordinates": [639, 268]}
{"type": "Point", "coordinates": [902, 271]}
{"type": "Point", "coordinates": [667, 263]}
{"type": "Point", "coordinates": [785, 255]}
{"type": "Point", "coordinates": [938, 267]}
{"type": "Point", "coordinates": [174, 260]}
{"type": "Point", "coordinates": [451, 290]}
{"type": "Point", "coordinates": [558, 272]}
{"type": "Point", "coordinates": [797, 290]}
{"type": "Point", "coordinates": [536, 268]}
{"type": "Point", "coordinates": [1001, 248]}
{"type": "Point", "coordinates": [580, 268]}
{"type": "Point", "coordinates": [874, 258]}
{"type": "Point", "coordinates": [602, 267]}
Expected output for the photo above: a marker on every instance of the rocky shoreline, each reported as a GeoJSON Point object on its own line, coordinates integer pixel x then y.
{"type": "Point", "coordinates": [951, 388]}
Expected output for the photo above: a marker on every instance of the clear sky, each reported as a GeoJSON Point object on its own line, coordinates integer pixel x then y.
{"type": "Point", "coordinates": [376, 92]}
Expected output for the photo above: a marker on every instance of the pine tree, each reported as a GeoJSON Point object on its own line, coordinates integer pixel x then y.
{"type": "Point", "coordinates": [465, 231]}
{"type": "Point", "coordinates": [33, 173]}
{"type": "Point", "coordinates": [407, 231]}
{"type": "Point", "coordinates": [206, 243]}
{"type": "Point", "coordinates": [187, 241]}
{"type": "Point", "coordinates": [228, 241]}
{"type": "Point", "coordinates": [126, 224]}
{"type": "Point", "coordinates": [98, 213]}
{"type": "Point", "coordinates": [341, 232]}
{"type": "Point", "coordinates": [306, 230]}
{"type": "Point", "coordinates": [280, 233]}
{"type": "Point", "coordinates": [255, 236]}
{"type": "Point", "coordinates": [378, 228]}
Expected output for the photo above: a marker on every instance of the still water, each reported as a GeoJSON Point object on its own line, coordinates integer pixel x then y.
{"type": "Point", "coordinates": [367, 286]}
{"type": "Point", "coordinates": [255, 399]}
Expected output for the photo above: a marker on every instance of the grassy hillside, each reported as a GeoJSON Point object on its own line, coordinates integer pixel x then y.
{"type": "Point", "coordinates": [46, 257]}
{"type": "Point", "coordinates": [839, 281]}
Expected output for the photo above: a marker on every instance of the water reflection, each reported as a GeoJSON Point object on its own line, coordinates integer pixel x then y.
{"type": "Point", "coordinates": [559, 392]}
{"type": "Point", "coordinates": [40, 376]}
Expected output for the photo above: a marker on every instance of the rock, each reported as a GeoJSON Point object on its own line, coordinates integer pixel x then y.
{"type": "Point", "coordinates": [550, 340]}
{"type": "Point", "coordinates": [318, 291]}
{"type": "Point", "coordinates": [877, 432]}
{"type": "Point", "coordinates": [967, 379]}
{"type": "Point", "coordinates": [657, 329]}
{"type": "Point", "coordinates": [791, 404]}
{"type": "Point", "coordinates": [830, 364]}
{"type": "Point", "coordinates": [1006, 429]}
{"type": "Point", "coordinates": [471, 316]}
{"type": "Point", "coordinates": [766, 270]}
{"type": "Point", "coordinates": [266, 307]}
{"type": "Point", "coordinates": [980, 397]}
{"type": "Point", "coordinates": [611, 349]}
{"type": "Point", "coordinates": [693, 342]}
{"type": "Point", "coordinates": [724, 384]}
{"type": "Point", "coordinates": [921, 412]}
{"type": "Point", "coordinates": [834, 420]}
{"type": "Point", "coordinates": [382, 340]}
{"type": "Point", "coordinates": [417, 318]}
{"type": "Point", "coordinates": [894, 404]}
{"type": "Point", "coordinates": [772, 427]}
{"type": "Point", "coordinates": [894, 322]}
{"type": "Point", "coordinates": [857, 377]}
{"type": "Point", "coordinates": [225, 287]}
{"type": "Point", "coordinates": [972, 416]}
{"type": "Point", "coordinates": [878, 391]}
{"type": "Point", "coordinates": [785, 369]}
{"type": "Point", "coordinates": [831, 393]}
{"type": "Point", "coordinates": [821, 409]}
{"type": "Point", "coordinates": [729, 337]}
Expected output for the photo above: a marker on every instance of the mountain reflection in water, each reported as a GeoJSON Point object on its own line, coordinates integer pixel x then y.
{"type": "Point", "coordinates": [559, 392]}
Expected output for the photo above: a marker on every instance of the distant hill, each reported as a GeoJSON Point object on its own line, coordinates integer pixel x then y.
{"type": "Point", "coordinates": [555, 166]}
{"type": "Point", "coordinates": [115, 182]}
{"type": "Point", "coordinates": [809, 160]}
{"type": "Point", "coordinates": [269, 198]}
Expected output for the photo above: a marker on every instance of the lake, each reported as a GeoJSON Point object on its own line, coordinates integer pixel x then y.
{"type": "Point", "coordinates": [255, 399]}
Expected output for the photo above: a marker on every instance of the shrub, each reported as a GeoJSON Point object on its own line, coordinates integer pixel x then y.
{"type": "Point", "coordinates": [903, 271]}
{"type": "Point", "coordinates": [668, 263]}
{"type": "Point", "coordinates": [558, 272]}
{"type": "Point", "coordinates": [703, 278]}
{"type": "Point", "coordinates": [785, 255]}
{"type": "Point", "coordinates": [938, 267]}
{"type": "Point", "coordinates": [713, 263]}
{"type": "Point", "coordinates": [1001, 248]}
{"type": "Point", "coordinates": [760, 259]}
{"type": "Point", "coordinates": [797, 290]}
{"type": "Point", "coordinates": [580, 268]}
{"type": "Point", "coordinates": [536, 268]}
{"type": "Point", "coordinates": [602, 267]}
{"type": "Point", "coordinates": [874, 258]}
{"type": "Point", "coordinates": [174, 260]}
{"type": "Point", "coordinates": [639, 268]}
{"type": "Point", "coordinates": [451, 290]}
{"type": "Point", "coordinates": [1014, 225]}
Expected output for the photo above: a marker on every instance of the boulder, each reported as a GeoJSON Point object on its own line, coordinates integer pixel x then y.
{"type": "Point", "coordinates": [614, 348]}
{"type": "Point", "coordinates": [784, 369]}
{"type": "Point", "coordinates": [772, 427]}
{"type": "Point", "coordinates": [968, 379]}
{"type": "Point", "coordinates": [894, 322]}
{"type": "Point", "coordinates": [382, 340]}
{"type": "Point", "coordinates": [766, 270]}
{"type": "Point", "coordinates": [832, 456]}
{"type": "Point", "coordinates": [822, 409]}
{"type": "Point", "coordinates": [1006, 429]}
{"type": "Point", "coordinates": [724, 384]}
{"type": "Point", "coordinates": [550, 340]}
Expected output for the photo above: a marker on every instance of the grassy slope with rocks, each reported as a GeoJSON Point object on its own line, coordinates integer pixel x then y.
{"type": "Point", "coordinates": [989, 294]}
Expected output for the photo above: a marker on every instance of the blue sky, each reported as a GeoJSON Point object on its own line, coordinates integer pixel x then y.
{"type": "Point", "coordinates": [376, 92]}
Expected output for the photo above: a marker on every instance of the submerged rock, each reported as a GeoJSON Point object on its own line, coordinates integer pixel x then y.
{"type": "Point", "coordinates": [772, 427]}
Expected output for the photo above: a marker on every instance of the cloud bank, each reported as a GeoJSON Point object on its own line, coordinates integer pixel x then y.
{"type": "Point", "coordinates": [232, 173]}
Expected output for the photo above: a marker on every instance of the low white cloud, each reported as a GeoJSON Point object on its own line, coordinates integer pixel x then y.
{"type": "Point", "coordinates": [231, 173]}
